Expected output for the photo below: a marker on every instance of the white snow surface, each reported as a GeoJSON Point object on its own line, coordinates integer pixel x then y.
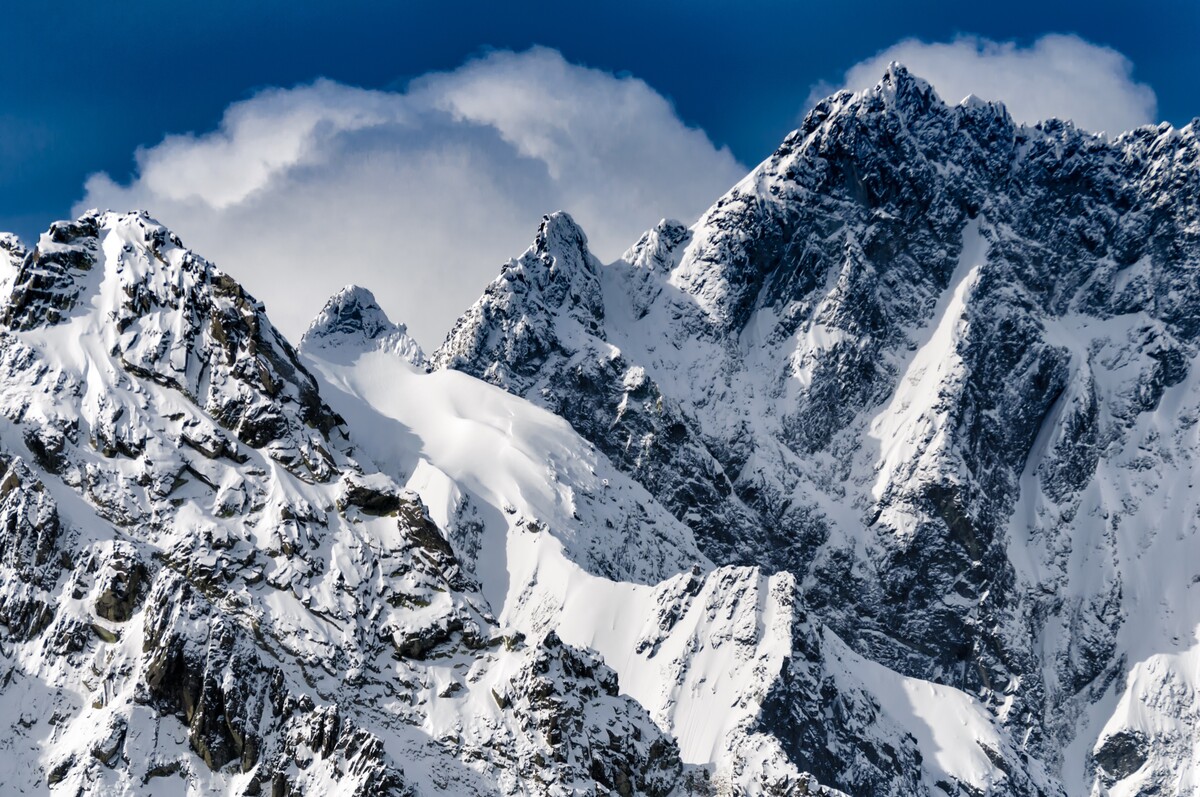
{"type": "Point", "coordinates": [579, 548]}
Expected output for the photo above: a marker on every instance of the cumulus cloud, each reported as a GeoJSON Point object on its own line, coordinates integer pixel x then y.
{"type": "Point", "coordinates": [1058, 76]}
{"type": "Point", "coordinates": [421, 194]}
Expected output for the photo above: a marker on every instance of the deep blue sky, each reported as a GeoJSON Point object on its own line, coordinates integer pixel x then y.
{"type": "Point", "coordinates": [83, 84]}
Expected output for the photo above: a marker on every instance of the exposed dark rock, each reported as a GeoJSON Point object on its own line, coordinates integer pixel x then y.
{"type": "Point", "coordinates": [1122, 754]}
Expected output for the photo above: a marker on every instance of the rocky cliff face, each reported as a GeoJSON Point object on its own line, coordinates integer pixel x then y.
{"type": "Point", "coordinates": [936, 366]}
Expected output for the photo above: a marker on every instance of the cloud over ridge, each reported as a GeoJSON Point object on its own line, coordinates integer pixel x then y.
{"type": "Point", "coordinates": [1059, 76]}
{"type": "Point", "coordinates": [421, 194]}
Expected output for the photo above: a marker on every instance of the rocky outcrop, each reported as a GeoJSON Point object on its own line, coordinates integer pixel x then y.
{"type": "Point", "coordinates": [238, 707]}
{"type": "Point", "coordinates": [30, 557]}
{"type": "Point", "coordinates": [567, 703]}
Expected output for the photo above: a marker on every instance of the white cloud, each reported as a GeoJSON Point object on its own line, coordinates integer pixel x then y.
{"type": "Point", "coordinates": [421, 195]}
{"type": "Point", "coordinates": [1057, 76]}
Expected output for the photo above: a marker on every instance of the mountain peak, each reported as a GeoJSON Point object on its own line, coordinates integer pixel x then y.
{"type": "Point", "coordinates": [559, 230]}
{"type": "Point", "coordinates": [898, 74]}
{"type": "Point", "coordinates": [557, 277]}
{"type": "Point", "coordinates": [936, 336]}
{"type": "Point", "coordinates": [60, 274]}
{"type": "Point", "coordinates": [166, 315]}
{"type": "Point", "coordinates": [901, 89]}
{"type": "Point", "coordinates": [562, 247]}
{"type": "Point", "coordinates": [898, 91]}
{"type": "Point", "coordinates": [352, 320]}
{"type": "Point", "coordinates": [351, 311]}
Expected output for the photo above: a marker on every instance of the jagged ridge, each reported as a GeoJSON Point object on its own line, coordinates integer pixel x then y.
{"type": "Point", "coordinates": [919, 345]}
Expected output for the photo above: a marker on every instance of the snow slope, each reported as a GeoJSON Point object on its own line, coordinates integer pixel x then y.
{"type": "Point", "coordinates": [582, 550]}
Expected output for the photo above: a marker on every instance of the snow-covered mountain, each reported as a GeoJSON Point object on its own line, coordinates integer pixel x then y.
{"type": "Point", "coordinates": [877, 480]}
{"type": "Point", "coordinates": [936, 368]}
{"type": "Point", "coordinates": [209, 585]}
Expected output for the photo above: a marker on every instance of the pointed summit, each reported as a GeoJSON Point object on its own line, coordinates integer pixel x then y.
{"type": "Point", "coordinates": [559, 231]}
{"type": "Point", "coordinates": [898, 76]}
{"type": "Point", "coordinates": [353, 321]}
{"type": "Point", "coordinates": [559, 264]}
{"type": "Point", "coordinates": [903, 92]}
{"type": "Point", "coordinates": [555, 278]}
